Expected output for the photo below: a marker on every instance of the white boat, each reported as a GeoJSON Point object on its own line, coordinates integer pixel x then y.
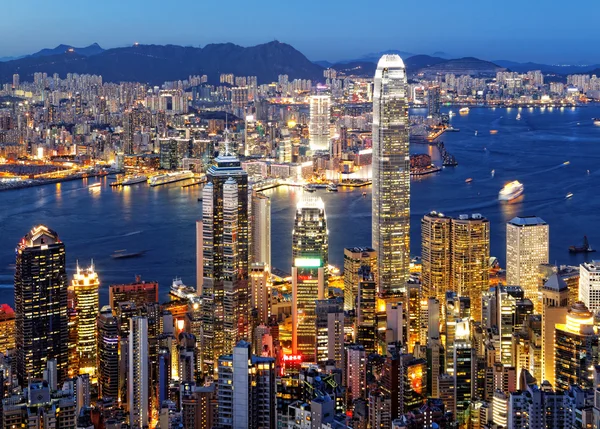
{"type": "Point", "coordinates": [132, 180]}
{"type": "Point", "coordinates": [163, 179]}
{"type": "Point", "coordinates": [511, 191]}
{"type": "Point", "coordinates": [309, 188]}
{"type": "Point", "coordinates": [475, 132]}
{"type": "Point", "coordinates": [464, 110]}
{"type": "Point", "coordinates": [493, 173]}
{"type": "Point", "coordinates": [179, 290]}
{"type": "Point", "coordinates": [450, 113]}
{"type": "Point", "coordinates": [95, 186]}
{"type": "Point", "coordinates": [569, 195]}
{"type": "Point", "coordinates": [518, 116]}
{"type": "Point", "coordinates": [332, 187]}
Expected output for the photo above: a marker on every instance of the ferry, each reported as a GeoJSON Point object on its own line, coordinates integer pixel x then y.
{"type": "Point", "coordinates": [179, 290]}
{"type": "Point", "coordinates": [95, 186]}
{"type": "Point", "coordinates": [464, 110]}
{"type": "Point", "coordinates": [309, 188]}
{"type": "Point", "coordinates": [566, 162]}
{"type": "Point", "coordinates": [469, 180]}
{"type": "Point", "coordinates": [177, 176]}
{"type": "Point", "coordinates": [596, 121]}
{"type": "Point", "coordinates": [511, 191]}
{"type": "Point", "coordinates": [332, 187]}
{"type": "Point", "coordinates": [569, 195]}
{"type": "Point", "coordinates": [493, 131]}
{"type": "Point", "coordinates": [134, 180]}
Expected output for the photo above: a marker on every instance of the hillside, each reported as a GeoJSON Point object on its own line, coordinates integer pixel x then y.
{"type": "Point", "coordinates": [463, 66]}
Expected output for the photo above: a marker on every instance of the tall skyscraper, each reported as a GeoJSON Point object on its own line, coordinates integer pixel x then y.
{"type": "Point", "coordinates": [41, 304]}
{"type": "Point", "coordinates": [108, 354]}
{"type": "Point", "coordinates": [260, 291]}
{"type": "Point", "coordinates": [310, 255]}
{"type": "Point", "coordinates": [354, 259]}
{"type": "Point", "coordinates": [436, 262]}
{"type": "Point", "coordinates": [433, 101]}
{"type": "Point", "coordinates": [84, 291]}
{"type": "Point", "coordinates": [470, 259]}
{"type": "Point", "coordinates": [318, 128]}
{"type": "Point", "coordinates": [225, 257]}
{"type": "Point", "coordinates": [555, 298]}
{"type": "Point", "coordinates": [329, 327]}
{"type": "Point", "coordinates": [391, 175]}
{"type": "Point", "coordinates": [527, 247]}
{"type": "Point", "coordinates": [137, 380]}
{"type": "Point", "coordinates": [261, 229]}
{"type": "Point", "coordinates": [589, 285]}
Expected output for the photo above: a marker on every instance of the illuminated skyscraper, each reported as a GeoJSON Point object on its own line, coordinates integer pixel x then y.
{"type": "Point", "coordinates": [260, 291]}
{"type": "Point", "coordinates": [589, 284]}
{"type": "Point", "coordinates": [391, 175]}
{"type": "Point", "coordinates": [41, 304]}
{"type": "Point", "coordinates": [84, 290]}
{"type": "Point", "coordinates": [7, 328]}
{"type": "Point", "coordinates": [310, 255]}
{"type": "Point", "coordinates": [318, 128]}
{"type": "Point", "coordinates": [436, 274]}
{"type": "Point", "coordinates": [527, 247]}
{"type": "Point", "coordinates": [433, 101]}
{"type": "Point", "coordinates": [225, 255]}
{"type": "Point", "coordinates": [354, 259]}
{"type": "Point", "coordinates": [137, 379]}
{"type": "Point", "coordinates": [108, 354]}
{"type": "Point", "coordinates": [261, 229]}
{"type": "Point", "coordinates": [470, 259]}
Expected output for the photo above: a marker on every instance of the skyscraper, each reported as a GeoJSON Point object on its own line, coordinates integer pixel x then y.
{"type": "Point", "coordinates": [318, 128]}
{"type": "Point", "coordinates": [84, 291]}
{"type": "Point", "coordinates": [261, 229]}
{"type": "Point", "coordinates": [310, 254]}
{"type": "Point", "coordinates": [329, 327]}
{"type": "Point", "coordinates": [433, 101]}
{"type": "Point", "coordinates": [391, 175]}
{"type": "Point", "coordinates": [354, 259]}
{"type": "Point", "coordinates": [137, 380]}
{"type": "Point", "coordinates": [108, 354]}
{"type": "Point", "coordinates": [436, 275]}
{"type": "Point", "coordinates": [470, 259]}
{"type": "Point", "coordinates": [225, 255]}
{"type": "Point", "coordinates": [589, 285]}
{"type": "Point", "coordinates": [527, 247]}
{"type": "Point", "coordinates": [41, 304]}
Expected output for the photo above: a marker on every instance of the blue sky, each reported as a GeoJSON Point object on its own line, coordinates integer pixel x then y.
{"type": "Point", "coordinates": [522, 30]}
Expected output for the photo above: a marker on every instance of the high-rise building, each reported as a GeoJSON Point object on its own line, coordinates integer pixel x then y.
{"type": "Point", "coordinates": [576, 349]}
{"type": "Point", "coordinates": [329, 345]}
{"type": "Point", "coordinates": [225, 258]}
{"type": "Point", "coordinates": [555, 298]}
{"type": "Point", "coordinates": [527, 247]}
{"type": "Point", "coordinates": [261, 229]}
{"type": "Point", "coordinates": [436, 263]}
{"type": "Point", "coordinates": [356, 373]}
{"type": "Point", "coordinates": [246, 390]}
{"type": "Point", "coordinates": [41, 304]}
{"type": "Point", "coordinates": [433, 101]}
{"type": "Point", "coordinates": [108, 354]}
{"type": "Point", "coordinates": [589, 285]}
{"type": "Point", "coordinates": [84, 291]}
{"type": "Point", "coordinates": [137, 380]}
{"type": "Point", "coordinates": [365, 330]}
{"type": "Point", "coordinates": [391, 175]}
{"type": "Point", "coordinates": [310, 253]}
{"type": "Point", "coordinates": [318, 128]}
{"type": "Point", "coordinates": [354, 259]}
{"type": "Point", "coordinates": [470, 259]}
{"type": "Point", "coordinates": [260, 291]}
{"type": "Point", "coordinates": [140, 293]}
{"type": "Point", "coordinates": [463, 370]}
{"type": "Point", "coordinates": [7, 328]}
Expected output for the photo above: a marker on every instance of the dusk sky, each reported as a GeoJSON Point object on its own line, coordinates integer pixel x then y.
{"type": "Point", "coordinates": [517, 30]}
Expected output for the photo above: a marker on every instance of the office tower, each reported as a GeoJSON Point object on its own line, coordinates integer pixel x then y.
{"type": "Point", "coordinates": [15, 81]}
{"type": "Point", "coordinates": [260, 291]}
{"type": "Point", "coordinates": [394, 332]}
{"type": "Point", "coordinates": [246, 390]}
{"type": "Point", "coordinates": [84, 290]}
{"type": "Point", "coordinates": [41, 304]}
{"type": "Point", "coordinates": [310, 255]}
{"type": "Point", "coordinates": [366, 308]}
{"type": "Point", "coordinates": [225, 257]}
{"type": "Point", "coordinates": [380, 410]}
{"type": "Point", "coordinates": [589, 285]}
{"type": "Point", "coordinates": [435, 359]}
{"type": "Point", "coordinates": [433, 101]}
{"type": "Point", "coordinates": [187, 357]}
{"type": "Point", "coordinates": [391, 175]}
{"type": "Point", "coordinates": [329, 323]}
{"type": "Point", "coordinates": [139, 293]}
{"type": "Point", "coordinates": [198, 405]}
{"type": "Point", "coordinates": [463, 370]}
{"type": "Point", "coordinates": [108, 354]}
{"type": "Point", "coordinates": [7, 328]}
{"type": "Point", "coordinates": [436, 267]}
{"type": "Point", "coordinates": [137, 380]}
{"type": "Point", "coordinates": [412, 299]}
{"type": "Point", "coordinates": [527, 247]}
{"type": "Point", "coordinates": [470, 259]}
{"type": "Point", "coordinates": [318, 128]}
{"type": "Point", "coordinates": [354, 259]}
{"type": "Point", "coordinates": [576, 349]}
{"type": "Point", "coordinates": [261, 229]}
{"type": "Point", "coordinates": [555, 298]}
{"type": "Point", "coordinates": [356, 373]}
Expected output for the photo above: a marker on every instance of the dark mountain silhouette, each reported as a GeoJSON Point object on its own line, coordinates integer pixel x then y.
{"type": "Point", "coordinates": [93, 49]}
{"type": "Point", "coordinates": [463, 66]}
{"type": "Point", "coordinates": [356, 68]}
{"type": "Point", "coordinates": [418, 62]}
{"type": "Point", "coordinates": [158, 63]}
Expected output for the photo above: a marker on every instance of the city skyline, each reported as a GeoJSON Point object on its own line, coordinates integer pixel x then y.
{"type": "Point", "coordinates": [451, 30]}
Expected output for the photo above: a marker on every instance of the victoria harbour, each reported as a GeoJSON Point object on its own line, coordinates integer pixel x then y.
{"type": "Point", "coordinates": [553, 152]}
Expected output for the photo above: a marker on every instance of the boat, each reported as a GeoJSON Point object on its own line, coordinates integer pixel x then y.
{"type": "Point", "coordinates": [364, 194]}
{"type": "Point", "coordinates": [451, 129]}
{"type": "Point", "coordinates": [493, 131]}
{"type": "Point", "coordinates": [309, 188]}
{"type": "Point", "coordinates": [518, 116]}
{"type": "Point", "coordinates": [177, 176]}
{"type": "Point", "coordinates": [475, 132]}
{"type": "Point", "coordinates": [121, 254]}
{"type": "Point", "coordinates": [95, 186]}
{"type": "Point", "coordinates": [566, 162]}
{"type": "Point", "coordinates": [469, 180]}
{"type": "Point", "coordinates": [464, 110]}
{"type": "Point", "coordinates": [569, 195]}
{"type": "Point", "coordinates": [511, 191]}
{"type": "Point", "coordinates": [588, 172]}
{"type": "Point", "coordinates": [493, 173]}
{"type": "Point", "coordinates": [450, 113]}
{"type": "Point", "coordinates": [596, 121]}
{"type": "Point", "coordinates": [134, 180]}
{"type": "Point", "coordinates": [585, 248]}
{"type": "Point", "coordinates": [179, 290]}
{"type": "Point", "coordinates": [332, 187]}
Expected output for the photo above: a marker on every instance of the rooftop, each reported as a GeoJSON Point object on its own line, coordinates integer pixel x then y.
{"type": "Point", "coordinates": [527, 221]}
